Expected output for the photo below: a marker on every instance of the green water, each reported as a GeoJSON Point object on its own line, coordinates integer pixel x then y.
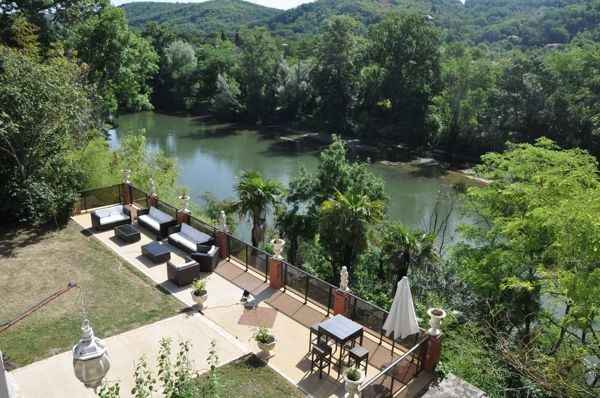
{"type": "Point", "coordinates": [211, 156]}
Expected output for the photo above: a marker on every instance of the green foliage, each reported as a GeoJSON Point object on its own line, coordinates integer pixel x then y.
{"type": "Point", "coordinates": [199, 287]}
{"type": "Point", "coordinates": [120, 62]}
{"type": "Point", "coordinates": [44, 113]}
{"type": "Point", "coordinates": [523, 251]}
{"type": "Point", "coordinates": [263, 335]}
{"type": "Point", "coordinates": [199, 18]}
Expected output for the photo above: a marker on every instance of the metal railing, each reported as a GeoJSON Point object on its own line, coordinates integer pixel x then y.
{"type": "Point", "coordinates": [393, 378]}
{"type": "Point", "coordinates": [309, 287]}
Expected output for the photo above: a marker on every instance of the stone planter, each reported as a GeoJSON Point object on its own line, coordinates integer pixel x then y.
{"type": "Point", "coordinates": [278, 248]}
{"type": "Point", "coordinates": [266, 348]}
{"type": "Point", "coordinates": [435, 321]}
{"type": "Point", "coordinates": [200, 299]}
{"type": "Point", "coordinates": [353, 385]}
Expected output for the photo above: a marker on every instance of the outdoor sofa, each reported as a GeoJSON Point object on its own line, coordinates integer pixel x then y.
{"type": "Point", "coordinates": [207, 257]}
{"type": "Point", "coordinates": [156, 221]}
{"type": "Point", "coordinates": [110, 217]}
{"type": "Point", "coordinates": [188, 238]}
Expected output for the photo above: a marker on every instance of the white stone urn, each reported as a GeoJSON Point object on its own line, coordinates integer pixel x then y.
{"type": "Point", "coordinates": [435, 321]}
{"type": "Point", "coordinates": [353, 385]}
{"type": "Point", "coordinates": [200, 299]}
{"type": "Point", "coordinates": [185, 202]}
{"type": "Point", "coordinates": [266, 348]}
{"type": "Point", "coordinates": [278, 244]}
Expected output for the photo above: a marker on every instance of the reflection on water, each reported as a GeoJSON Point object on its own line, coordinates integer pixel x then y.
{"type": "Point", "coordinates": [212, 156]}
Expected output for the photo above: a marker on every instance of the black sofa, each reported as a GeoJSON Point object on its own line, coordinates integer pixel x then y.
{"type": "Point", "coordinates": [110, 217]}
{"type": "Point", "coordinates": [156, 221]}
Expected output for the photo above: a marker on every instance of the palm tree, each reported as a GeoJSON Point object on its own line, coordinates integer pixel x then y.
{"type": "Point", "coordinates": [403, 249]}
{"type": "Point", "coordinates": [256, 194]}
{"type": "Point", "coordinates": [344, 224]}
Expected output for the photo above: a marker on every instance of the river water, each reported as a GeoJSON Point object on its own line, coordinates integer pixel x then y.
{"type": "Point", "coordinates": [210, 157]}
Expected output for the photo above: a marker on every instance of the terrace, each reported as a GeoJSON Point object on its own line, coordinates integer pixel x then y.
{"type": "Point", "coordinates": [287, 300]}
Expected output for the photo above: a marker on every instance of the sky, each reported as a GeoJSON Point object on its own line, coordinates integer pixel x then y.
{"type": "Point", "coordinates": [281, 4]}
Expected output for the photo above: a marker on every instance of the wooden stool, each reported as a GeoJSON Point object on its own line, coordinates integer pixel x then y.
{"type": "Point", "coordinates": [359, 354]}
{"type": "Point", "coordinates": [321, 358]}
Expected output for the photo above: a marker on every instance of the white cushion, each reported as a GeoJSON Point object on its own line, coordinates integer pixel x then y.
{"type": "Point", "coordinates": [113, 218]}
{"type": "Point", "coordinates": [183, 240]}
{"type": "Point", "coordinates": [159, 216]}
{"type": "Point", "coordinates": [193, 234]}
{"type": "Point", "coordinates": [213, 250]}
{"type": "Point", "coordinates": [150, 221]}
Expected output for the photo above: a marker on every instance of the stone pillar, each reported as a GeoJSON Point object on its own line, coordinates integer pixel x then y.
{"type": "Point", "coordinates": [340, 302]}
{"type": "Point", "coordinates": [432, 352]}
{"type": "Point", "coordinates": [127, 194]}
{"type": "Point", "coordinates": [152, 200]}
{"type": "Point", "coordinates": [183, 216]}
{"type": "Point", "coordinates": [275, 273]}
{"type": "Point", "coordinates": [223, 243]}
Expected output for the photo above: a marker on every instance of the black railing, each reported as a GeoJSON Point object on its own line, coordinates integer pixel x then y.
{"type": "Point", "coordinates": [391, 381]}
{"type": "Point", "coordinates": [309, 287]}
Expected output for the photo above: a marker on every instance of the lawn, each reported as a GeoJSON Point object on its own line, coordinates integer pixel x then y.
{"type": "Point", "coordinates": [35, 263]}
{"type": "Point", "coordinates": [249, 377]}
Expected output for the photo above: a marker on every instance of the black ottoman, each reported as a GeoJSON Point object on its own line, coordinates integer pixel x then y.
{"type": "Point", "coordinates": [157, 252]}
{"type": "Point", "coordinates": [127, 233]}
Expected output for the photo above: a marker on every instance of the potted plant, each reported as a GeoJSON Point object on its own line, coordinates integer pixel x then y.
{"type": "Point", "coordinates": [353, 378]}
{"type": "Point", "coordinates": [435, 320]}
{"type": "Point", "coordinates": [199, 293]}
{"type": "Point", "coordinates": [265, 339]}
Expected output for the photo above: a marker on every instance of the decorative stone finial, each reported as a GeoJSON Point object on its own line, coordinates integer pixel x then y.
{"type": "Point", "coordinates": [185, 201]}
{"type": "Point", "coordinates": [344, 279]}
{"type": "Point", "coordinates": [152, 187]}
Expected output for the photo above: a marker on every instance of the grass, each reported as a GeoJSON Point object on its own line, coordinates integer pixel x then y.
{"type": "Point", "coordinates": [35, 263]}
{"type": "Point", "coordinates": [250, 377]}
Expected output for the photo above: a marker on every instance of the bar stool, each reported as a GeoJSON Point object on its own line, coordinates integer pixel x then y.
{"type": "Point", "coordinates": [314, 336]}
{"type": "Point", "coordinates": [358, 354]}
{"type": "Point", "coordinates": [321, 358]}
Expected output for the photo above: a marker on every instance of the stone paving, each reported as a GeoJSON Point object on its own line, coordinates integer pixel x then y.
{"type": "Point", "coordinates": [286, 316]}
{"type": "Point", "coordinates": [54, 378]}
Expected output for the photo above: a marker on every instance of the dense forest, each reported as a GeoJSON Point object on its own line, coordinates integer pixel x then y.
{"type": "Point", "coordinates": [514, 84]}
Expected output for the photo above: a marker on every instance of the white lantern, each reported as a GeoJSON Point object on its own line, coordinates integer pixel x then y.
{"type": "Point", "coordinates": [223, 222]}
{"type": "Point", "coordinates": [90, 358]}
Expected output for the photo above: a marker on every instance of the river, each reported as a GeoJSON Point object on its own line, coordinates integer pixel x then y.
{"type": "Point", "coordinates": [211, 156]}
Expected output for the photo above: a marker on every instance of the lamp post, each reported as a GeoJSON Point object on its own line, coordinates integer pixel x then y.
{"type": "Point", "coordinates": [91, 361]}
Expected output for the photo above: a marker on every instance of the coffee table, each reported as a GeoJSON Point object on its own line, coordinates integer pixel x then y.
{"type": "Point", "coordinates": [127, 233]}
{"type": "Point", "coordinates": [157, 252]}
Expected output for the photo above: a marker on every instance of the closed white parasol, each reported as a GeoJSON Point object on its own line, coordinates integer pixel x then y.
{"type": "Point", "coordinates": [402, 319]}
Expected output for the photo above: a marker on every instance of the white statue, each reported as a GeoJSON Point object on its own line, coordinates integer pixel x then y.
{"type": "Point", "coordinates": [344, 279]}
{"type": "Point", "coordinates": [185, 201]}
{"type": "Point", "coordinates": [223, 221]}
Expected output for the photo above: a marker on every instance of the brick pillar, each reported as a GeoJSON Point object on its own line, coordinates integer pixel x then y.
{"type": "Point", "coordinates": [432, 352]}
{"type": "Point", "coordinates": [183, 217]}
{"type": "Point", "coordinates": [127, 197]}
{"type": "Point", "coordinates": [275, 273]}
{"type": "Point", "coordinates": [340, 302]}
{"type": "Point", "coordinates": [223, 243]}
{"type": "Point", "coordinates": [152, 200]}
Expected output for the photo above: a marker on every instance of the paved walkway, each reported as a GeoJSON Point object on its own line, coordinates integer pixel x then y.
{"type": "Point", "coordinates": [54, 378]}
{"type": "Point", "coordinates": [227, 317]}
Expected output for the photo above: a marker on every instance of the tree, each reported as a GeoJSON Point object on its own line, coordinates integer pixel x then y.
{"type": "Point", "coordinates": [343, 227]}
{"type": "Point", "coordinates": [120, 62]}
{"type": "Point", "coordinates": [335, 72]}
{"type": "Point", "coordinates": [402, 249]}
{"type": "Point", "coordinates": [256, 194]}
{"type": "Point", "coordinates": [536, 239]}
{"type": "Point", "coordinates": [45, 112]}
{"type": "Point", "coordinates": [299, 219]}
{"type": "Point", "coordinates": [179, 75]}
{"type": "Point", "coordinates": [407, 49]}
{"type": "Point", "coordinates": [259, 63]}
